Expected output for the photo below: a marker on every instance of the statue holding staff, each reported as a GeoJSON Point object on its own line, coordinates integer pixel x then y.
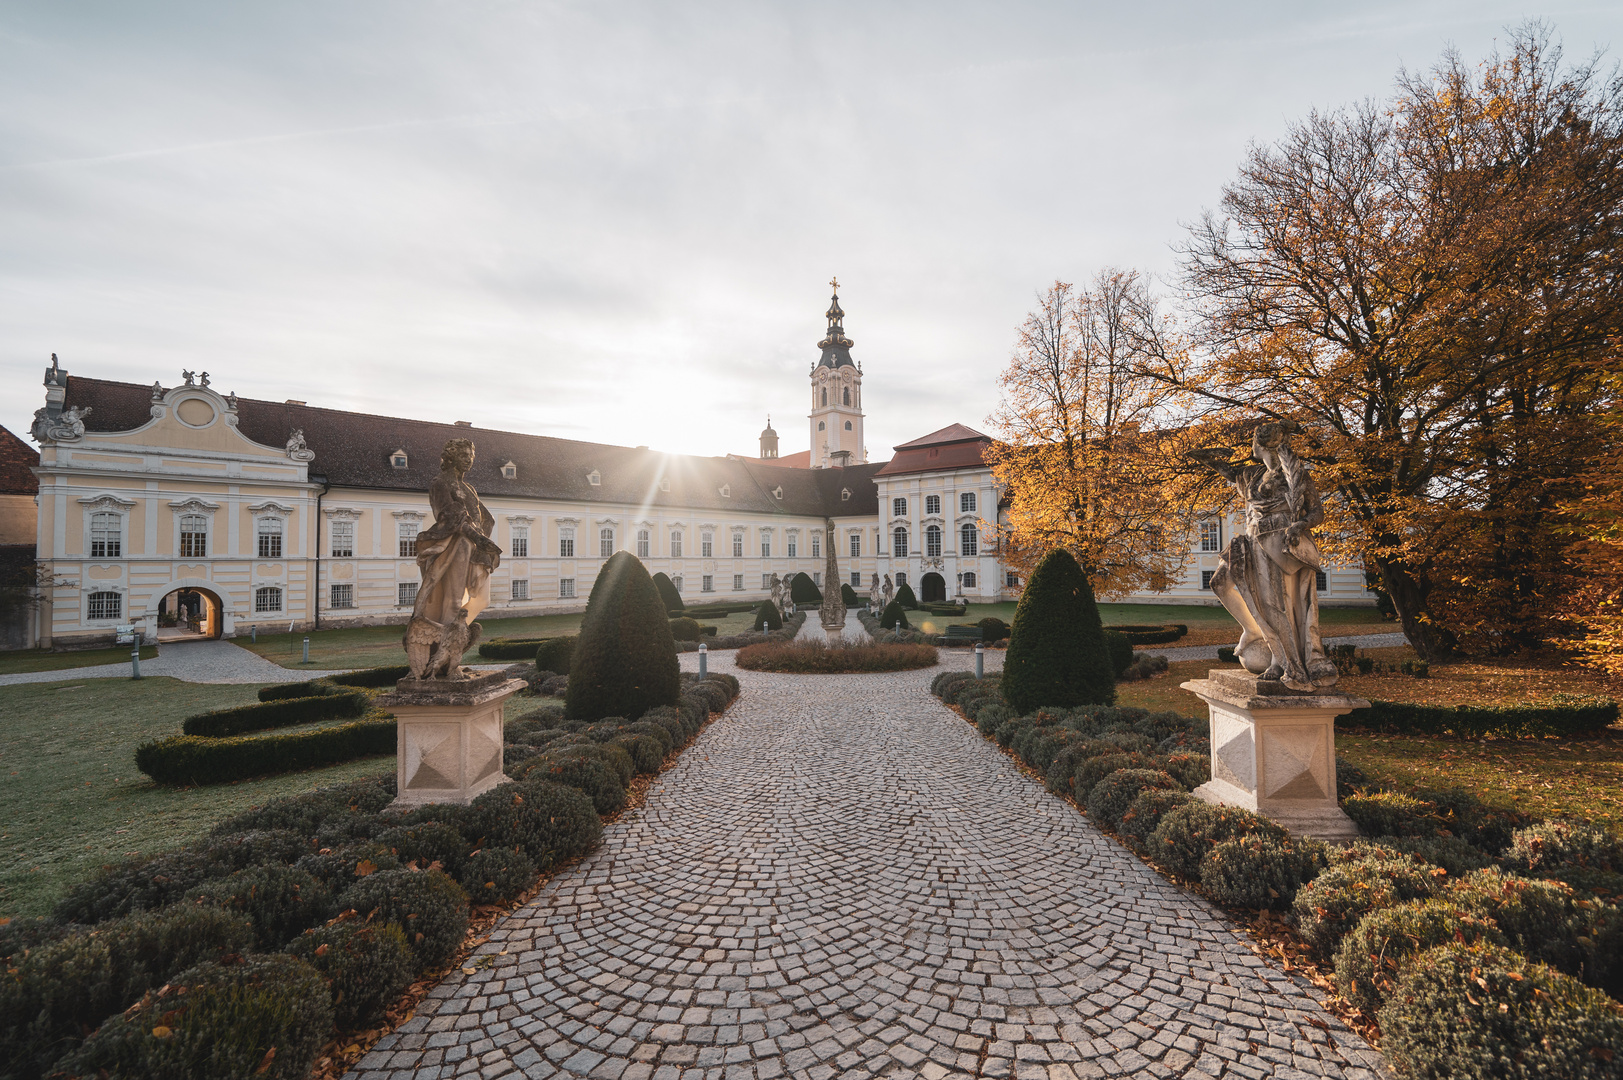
{"type": "Point", "coordinates": [1267, 577]}
{"type": "Point", "coordinates": [455, 557]}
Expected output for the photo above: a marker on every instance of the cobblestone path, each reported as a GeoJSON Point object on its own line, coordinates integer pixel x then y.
{"type": "Point", "coordinates": [841, 879]}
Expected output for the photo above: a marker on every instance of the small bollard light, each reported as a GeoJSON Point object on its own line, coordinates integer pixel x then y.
{"type": "Point", "coordinates": [135, 658]}
{"type": "Point", "coordinates": [980, 660]}
{"type": "Point", "coordinates": [306, 659]}
{"type": "Point", "coordinates": [253, 632]}
{"type": "Point", "coordinates": [704, 652]}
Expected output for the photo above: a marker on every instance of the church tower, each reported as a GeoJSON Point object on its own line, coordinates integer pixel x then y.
{"type": "Point", "coordinates": [836, 416]}
{"type": "Point", "coordinates": [769, 441]}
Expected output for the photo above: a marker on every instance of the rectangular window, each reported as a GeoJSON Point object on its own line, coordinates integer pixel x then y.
{"type": "Point", "coordinates": [817, 545]}
{"type": "Point", "coordinates": [677, 581]}
{"type": "Point", "coordinates": [766, 581]}
{"type": "Point", "coordinates": [1321, 580]}
{"type": "Point", "coordinates": [605, 543]}
{"type": "Point", "coordinates": [269, 599]}
{"type": "Point", "coordinates": [406, 593]}
{"type": "Point", "coordinates": [766, 547]}
{"type": "Point", "coordinates": [676, 543]}
{"type": "Point", "coordinates": [521, 542]}
{"type": "Point", "coordinates": [566, 587]}
{"type": "Point", "coordinates": [898, 508]}
{"type": "Point", "coordinates": [343, 540]}
{"type": "Point", "coordinates": [817, 578]}
{"type": "Point", "coordinates": [794, 545]}
{"type": "Point", "coordinates": [1011, 580]}
{"type": "Point", "coordinates": [901, 579]}
{"type": "Point", "coordinates": [270, 538]}
{"type": "Point", "coordinates": [738, 545]}
{"type": "Point", "coordinates": [738, 583]}
{"type": "Point", "coordinates": [966, 503]}
{"type": "Point", "coordinates": [856, 579]}
{"type": "Point", "coordinates": [408, 539]}
{"type": "Point", "coordinates": [106, 536]}
{"type": "Point", "coordinates": [707, 546]}
{"type": "Point", "coordinates": [104, 605]}
{"type": "Point", "coordinates": [521, 590]}
{"type": "Point", "coordinates": [1206, 578]}
{"type": "Point", "coordinates": [932, 504]}
{"type": "Point", "coordinates": [343, 596]}
{"type": "Point", "coordinates": [644, 544]}
{"type": "Point", "coordinates": [707, 583]}
{"type": "Point", "coordinates": [898, 543]}
{"type": "Point", "coordinates": [194, 539]}
{"type": "Point", "coordinates": [566, 543]}
{"type": "Point", "coordinates": [856, 545]}
{"type": "Point", "coordinates": [969, 580]}
{"type": "Point", "coordinates": [969, 540]}
{"type": "Point", "coordinates": [1211, 536]}
{"type": "Point", "coordinates": [932, 542]}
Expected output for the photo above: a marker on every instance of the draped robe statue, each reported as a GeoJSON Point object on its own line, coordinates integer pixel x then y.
{"type": "Point", "coordinates": [455, 556]}
{"type": "Point", "coordinates": [1267, 578]}
{"type": "Point", "coordinates": [873, 596]}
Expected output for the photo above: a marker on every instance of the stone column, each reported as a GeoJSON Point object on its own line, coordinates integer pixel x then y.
{"type": "Point", "coordinates": [449, 737]}
{"type": "Point", "coordinates": [1274, 751]}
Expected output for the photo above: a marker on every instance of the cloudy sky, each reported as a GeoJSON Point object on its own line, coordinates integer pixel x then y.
{"type": "Point", "coordinates": [617, 221]}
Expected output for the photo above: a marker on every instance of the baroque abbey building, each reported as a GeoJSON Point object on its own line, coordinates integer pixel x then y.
{"type": "Point", "coordinates": [281, 514]}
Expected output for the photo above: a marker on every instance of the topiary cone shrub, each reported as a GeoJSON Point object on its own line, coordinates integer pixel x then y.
{"type": "Point", "coordinates": [667, 593]}
{"type": "Point", "coordinates": [803, 590]}
{"type": "Point", "coordinates": [767, 617]}
{"type": "Point", "coordinates": [905, 597]}
{"type": "Point", "coordinates": [1057, 653]}
{"type": "Point", "coordinates": [894, 617]}
{"type": "Point", "coordinates": [625, 656]}
{"type": "Point", "coordinates": [849, 597]}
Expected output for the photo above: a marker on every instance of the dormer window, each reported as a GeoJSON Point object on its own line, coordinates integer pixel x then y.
{"type": "Point", "coordinates": [845, 494]}
{"type": "Point", "coordinates": [594, 478]}
{"type": "Point", "coordinates": [398, 459]}
{"type": "Point", "coordinates": [726, 491]}
{"type": "Point", "coordinates": [509, 471]}
{"type": "Point", "coordinates": [777, 492]}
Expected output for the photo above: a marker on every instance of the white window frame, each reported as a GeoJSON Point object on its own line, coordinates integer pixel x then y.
{"type": "Point", "coordinates": [766, 545]}
{"type": "Point", "coordinates": [966, 502]}
{"type": "Point", "coordinates": [264, 595]}
{"type": "Point", "coordinates": [405, 593]}
{"type": "Point", "coordinates": [406, 539]}
{"type": "Point", "coordinates": [707, 545]}
{"type": "Point", "coordinates": [677, 582]}
{"type": "Point", "coordinates": [932, 504]}
{"type": "Point", "coordinates": [566, 588]}
{"type": "Point", "coordinates": [817, 545]}
{"type": "Point", "coordinates": [969, 580]}
{"type": "Point", "coordinates": [707, 583]}
{"type": "Point", "coordinates": [346, 591]}
{"type": "Point", "coordinates": [738, 545]}
{"type": "Point", "coordinates": [341, 530]}
{"type": "Point", "coordinates": [605, 541]}
{"type": "Point", "coordinates": [676, 543]}
{"type": "Point", "coordinates": [110, 523]}
{"type": "Point", "coordinates": [265, 536]}
{"type": "Point", "coordinates": [856, 544]}
{"type": "Point", "coordinates": [200, 537]}
{"type": "Point", "coordinates": [738, 583]}
{"type": "Point", "coordinates": [1211, 535]}
{"type": "Point", "coordinates": [901, 578]}
{"type": "Point", "coordinates": [898, 507]}
{"type": "Point", "coordinates": [794, 547]}
{"type": "Point", "coordinates": [932, 541]}
{"type": "Point", "coordinates": [520, 541]}
{"type": "Point", "coordinates": [521, 589]}
{"type": "Point", "coordinates": [117, 602]}
{"type": "Point", "coordinates": [644, 543]}
{"type": "Point", "coordinates": [898, 542]}
{"type": "Point", "coordinates": [856, 579]}
{"type": "Point", "coordinates": [566, 542]}
{"type": "Point", "coordinates": [969, 539]}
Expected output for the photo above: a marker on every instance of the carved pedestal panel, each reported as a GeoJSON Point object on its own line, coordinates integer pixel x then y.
{"type": "Point", "coordinates": [1274, 751]}
{"type": "Point", "coordinates": [449, 741]}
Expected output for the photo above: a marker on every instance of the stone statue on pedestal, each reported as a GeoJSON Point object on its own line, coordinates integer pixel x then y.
{"type": "Point", "coordinates": [455, 557]}
{"type": "Point", "coordinates": [1267, 578]}
{"type": "Point", "coordinates": [887, 594]}
{"type": "Point", "coordinates": [874, 596]}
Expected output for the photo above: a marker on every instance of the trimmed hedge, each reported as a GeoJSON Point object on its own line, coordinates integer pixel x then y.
{"type": "Point", "coordinates": [1184, 837]}
{"type": "Point", "coordinates": [280, 901]}
{"type": "Point", "coordinates": [906, 597]}
{"type": "Point", "coordinates": [555, 655]}
{"type": "Point", "coordinates": [1365, 879]}
{"type": "Point", "coordinates": [667, 592]}
{"type": "Point", "coordinates": [820, 658]}
{"type": "Point", "coordinates": [1111, 796]}
{"type": "Point", "coordinates": [192, 759]}
{"type": "Point", "coordinates": [803, 590]}
{"type": "Point", "coordinates": [625, 658]}
{"type": "Point", "coordinates": [431, 908]}
{"type": "Point", "coordinates": [497, 875]}
{"type": "Point", "coordinates": [371, 678]}
{"type": "Point", "coordinates": [1563, 714]}
{"type": "Point", "coordinates": [1257, 871]}
{"type": "Point", "coordinates": [684, 628]}
{"type": "Point", "coordinates": [993, 629]}
{"type": "Point", "coordinates": [1120, 649]}
{"type": "Point", "coordinates": [288, 712]}
{"type": "Point", "coordinates": [894, 616]}
{"type": "Point", "coordinates": [1373, 956]}
{"type": "Point", "coordinates": [509, 648]}
{"type": "Point", "coordinates": [1057, 654]}
{"type": "Point", "coordinates": [849, 597]}
{"type": "Point", "coordinates": [768, 617]}
{"type": "Point", "coordinates": [717, 611]}
{"type": "Point", "coordinates": [310, 688]}
{"type": "Point", "coordinates": [366, 965]}
{"type": "Point", "coordinates": [1151, 635]}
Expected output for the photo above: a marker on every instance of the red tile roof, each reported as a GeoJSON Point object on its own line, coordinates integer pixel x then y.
{"type": "Point", "coordinates": [953, 447]}
{"type": "Point", "coordinates": [950, 434]}
{"type": "Point", "coordinates": [17, 459]}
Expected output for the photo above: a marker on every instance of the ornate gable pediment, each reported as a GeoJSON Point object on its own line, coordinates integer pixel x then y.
{"type": "Point", "coordinates": [107, 501]}
{"type": "Point", "coordinates": [349, 513]}
{"type": "Point", "coordinates": [194, 505]}
{"type": "Point", "coordinates": [269, 506]}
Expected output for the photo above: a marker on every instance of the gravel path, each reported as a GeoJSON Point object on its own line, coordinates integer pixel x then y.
{"type": "Point", "coordinates": [842, 879]}
{"type": "Point", "coordinates": [191, 661]}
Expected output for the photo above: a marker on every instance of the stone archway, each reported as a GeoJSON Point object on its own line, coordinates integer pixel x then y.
{"type": "Point", "coordinates": [932, 588]}
{"type": "Point", "coordinates": [199, 614]}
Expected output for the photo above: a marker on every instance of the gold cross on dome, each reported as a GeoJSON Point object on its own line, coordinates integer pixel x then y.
{"type": "Point", "coordinates": [834, 283]}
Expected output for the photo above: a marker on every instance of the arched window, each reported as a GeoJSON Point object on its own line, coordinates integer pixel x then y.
{"type": "Point", "coordinates": [898, 543]}
{"type": "Point", "coordinates": [848, 398]}
{"type": "Point", "coordinates": [194, 537]}
{"type": "Point", "coordinates": [642, 543]}
{"type": "Point", "coordinates": [848, 425]}
{"type": "Point", "coordinates": [270, 538]}
{"type": "Point", "coordinates": [969, 540]}
{"type": "Point", "coordinates": [104, 605]}
{"type": "Point", "coordinates": [825, 395]}
{"type": "Point", "coordinates": [106, 539]}
{"type": "Point", "coordinates": [267, 598]}
{"type": "Point", "coordinates": [969, 579]}
{"type": "Point", "coordinates": [821, 426]}
{"type": "Point", "coordinates": [605, 542]}
{"type": "Point", "coordinates": [932, 541]}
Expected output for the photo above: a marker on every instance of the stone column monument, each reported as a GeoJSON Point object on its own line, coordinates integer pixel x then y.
{"type": "Point", "coordinates": [449, 717]}
{"type": "Point", "coordinates": [833, 611]}
{"type": "Point", "coordinates": [1273, 724]}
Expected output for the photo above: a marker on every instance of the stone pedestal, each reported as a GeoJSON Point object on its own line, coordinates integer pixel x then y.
{"type": "Point", "coordinates": [1274, 751]}
{"type": "Point", "coordinates": [449, 741]}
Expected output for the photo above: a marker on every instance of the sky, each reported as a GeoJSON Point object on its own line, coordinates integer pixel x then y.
{"type": "Point", "coordinates": [618, 221]}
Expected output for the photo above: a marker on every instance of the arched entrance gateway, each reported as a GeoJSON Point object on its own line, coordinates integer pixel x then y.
{"type": "Point", "coordinates": [190, 614]}
{"type": "Point", "coordinates": [932, 588]}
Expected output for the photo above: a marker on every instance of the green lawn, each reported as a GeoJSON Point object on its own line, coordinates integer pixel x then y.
{"type": "Point", "coordinates": [72, 798]}
{"type": "Point", "coordinates": [1195, 617]}
{"type": "Point", "coordinates": [13, 663]}
{"type": "Point", "coordinates": [379, 646]}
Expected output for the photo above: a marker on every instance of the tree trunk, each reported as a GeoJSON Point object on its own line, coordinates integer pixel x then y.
{"type": "Point", "coordinates": [1430, 641]}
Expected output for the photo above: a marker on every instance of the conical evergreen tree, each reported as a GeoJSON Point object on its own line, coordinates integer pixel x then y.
{"type": "Point", "coordinates": [667, 592]}
{"type": "Point", "coordinates": [905, 597]}
{"type": "Point", "coordinates": [803, 590]}
{"type": "Point", "coordinates": [1057, 653]}
{"type": "Point", "coordinates": [767, 617]}
{"type": "Point", "coordinates": [849, 596]}
{"type": "Point", "coordinates": [625, 656]}
{"type": "Point", "coordinates": [894, 617]}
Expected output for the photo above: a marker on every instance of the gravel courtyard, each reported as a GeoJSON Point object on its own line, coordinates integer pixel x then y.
{"type": "Point", "coordinates": [841, 879]}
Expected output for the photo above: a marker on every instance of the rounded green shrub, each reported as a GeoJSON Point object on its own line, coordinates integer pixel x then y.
{"type": "Point", "coordinates": [217, 1020]}
{"type": "Point", "coordinates": [1552, 845]}
{"type": "Point", "coordinates": [1372, 957]}
{"type": "Point", "coordinates": [281, 901]}
{"type": "Point", "coordinates": [424, 844]}
{"type": "Point", "coordinates": [993, 629]}
{"type": "Point", "coordinates": [1464, 1012]}
{"type": "Point", "coordinates": [1190, 770]}
{"type": "Point", "coordinates": [646, 752]}
{"type": "Point", "coordinates": [1260, 871]}
{"type": "Point", "coordinates": [557, 654]}
{"type": "Point", "coordinates": [1092, 770]}
{"type": "Point", "coordinates": [667, 592]}
{"type": "Point", "coordinates": [495, 875]}
{"type": "Point", "coordinates": [549, 821]}
{"type": "Point", "coordinates": [1540, 919]}
{"type": "Point", "coordinates": [1356, 883]}
{"type": "Point", "coordinates": [1450, 853]}
{"type": "Point", "coordinates": [342, 867]}
{"type": "Point", "coordinates": [625, 657]}
{"type": "Point", "coordinates": [367, 966]}
{"type": "Point", "coordinates": [685, 629]}
{"type": "Point", "coordinates": [1391, 813]}
{"type": "Point", "coordinates": [848, 597]}
{"type": "Point", "coordinates": [669, 720]}
{"type": "Point", "coordinates": [768, 617]}
{"type": "Point", "coordinates": [802, 590]}
{"type": "Point", "coordinates": [1145, 812]}
{"type": "Point", "coordinates": [1112, 795]}
{"type": "Point", "coordinates": [660, 734]}
{"type": "Point", "coordinates": [894, 617]}
{"type": "Point", "coordinates": [906, 597]}
{"type": "Point", "coordinates": [1057, 654]}
{"type": "Point", "coordinates": [1182, 839]}
{"type": "Point", "coordinates": [429, 906]}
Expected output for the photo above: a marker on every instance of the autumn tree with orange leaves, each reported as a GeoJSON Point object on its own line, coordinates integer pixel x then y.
{"type": "Point", "coordinates": [1089, 459]}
